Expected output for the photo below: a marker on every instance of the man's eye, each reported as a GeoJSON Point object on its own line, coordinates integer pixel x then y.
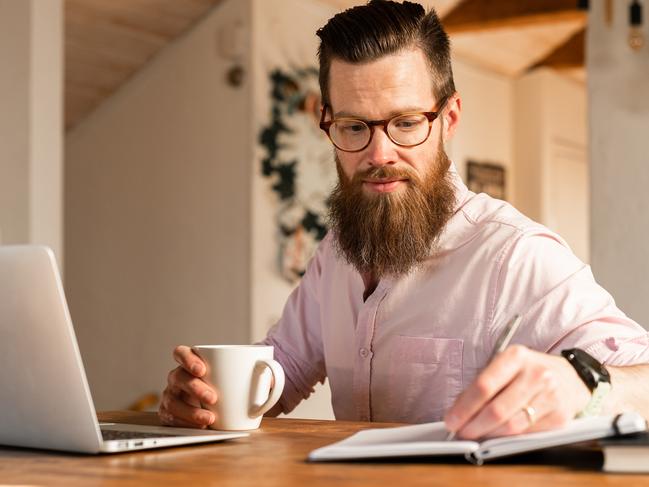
{"type": "Point", "coordinates": [352, 128]}
{"type": "Point", "coordinates": [407, 123]}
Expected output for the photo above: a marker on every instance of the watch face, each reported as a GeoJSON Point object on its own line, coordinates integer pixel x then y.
{"type": "Point", "coordinates": [589, 369]}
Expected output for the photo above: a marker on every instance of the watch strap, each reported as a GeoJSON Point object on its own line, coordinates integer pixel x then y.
{"type": "Point", "coordinates": [594, 406]}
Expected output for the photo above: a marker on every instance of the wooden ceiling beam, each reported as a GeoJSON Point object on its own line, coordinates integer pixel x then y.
{"type": "Point", "coordinates": [570, 54]}
{"type": "Point", "coordinates": [472, 16]}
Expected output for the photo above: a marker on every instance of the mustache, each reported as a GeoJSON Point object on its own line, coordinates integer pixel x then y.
{"type": "Point", "coordinates": [384, 172]}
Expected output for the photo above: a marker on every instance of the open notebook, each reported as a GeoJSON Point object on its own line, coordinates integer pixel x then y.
{"type": "Point", "coordinates": [429, 439]}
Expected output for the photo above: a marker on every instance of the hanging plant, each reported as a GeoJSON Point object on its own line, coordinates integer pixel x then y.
{"type": "Point", "coordinates": [298, 162]}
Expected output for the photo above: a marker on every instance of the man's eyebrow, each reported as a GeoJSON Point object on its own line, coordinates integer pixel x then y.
{"type": "Point", "coordinates": [408, 109]}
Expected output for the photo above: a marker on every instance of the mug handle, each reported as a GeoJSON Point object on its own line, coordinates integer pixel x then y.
{"type": "Point", "coordinates": [276, 390]}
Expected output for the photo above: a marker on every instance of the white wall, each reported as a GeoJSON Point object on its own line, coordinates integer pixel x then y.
{"type": "Point", "coordinates": [31, 133]}
{"type": "Point", "coordinates": [157, 228]}
{"type": "Point", "coordinates": [529, 151]}
{"type": "Point", "coordinates": [565, 186]}
{"type": "Point", "coordinates": [46, 126]}
{"type": "Point", "coordinates": [550, 143]}
{"type": "Point", "coordinates": [15, 53]}
{"type": "Point", "coordinates": [618, 95]}
{"type": "Point", "coordinates": [486, 126]}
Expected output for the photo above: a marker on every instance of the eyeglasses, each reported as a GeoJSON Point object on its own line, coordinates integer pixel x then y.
{"type": "Point", "coordinates": [353, 135]}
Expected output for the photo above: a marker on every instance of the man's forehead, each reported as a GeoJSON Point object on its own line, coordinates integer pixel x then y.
{"type": "Point", "coordinates": [393, 83]}
{"type": "Point", "coordinates": [397, 110]}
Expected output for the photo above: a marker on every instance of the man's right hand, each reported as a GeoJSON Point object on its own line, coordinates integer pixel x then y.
{"type": "Point", "coordinates": [181, 400]}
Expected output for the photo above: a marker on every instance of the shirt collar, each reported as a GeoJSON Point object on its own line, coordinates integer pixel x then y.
{"type": "Point", "coordinates": [462, 193]}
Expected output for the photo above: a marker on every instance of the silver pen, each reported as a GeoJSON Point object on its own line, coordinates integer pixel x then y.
{"type": "Point", "coordinates": [501, 344]}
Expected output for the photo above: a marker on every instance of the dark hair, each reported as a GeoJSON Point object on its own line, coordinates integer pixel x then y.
{"type": "Point", "coordinates": [369, 32]}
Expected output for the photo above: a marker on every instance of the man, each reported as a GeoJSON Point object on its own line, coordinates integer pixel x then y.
{"type": "Point", "coordinates": [403, 303]}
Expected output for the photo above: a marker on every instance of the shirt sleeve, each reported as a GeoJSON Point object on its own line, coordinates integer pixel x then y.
{"type": "Point", "coordinates": [297, 339]}
{"type": "Point", "coordinates": [562, 304]}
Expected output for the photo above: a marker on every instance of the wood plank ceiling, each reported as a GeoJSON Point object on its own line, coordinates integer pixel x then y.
{"type": "Point", "coordinates": [511, 36]}
{"type": "Point", "coordinates": [108, 41]}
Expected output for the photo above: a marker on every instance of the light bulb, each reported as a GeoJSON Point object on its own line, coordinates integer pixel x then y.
{"type": "Point", "coordinates": [636, 38]}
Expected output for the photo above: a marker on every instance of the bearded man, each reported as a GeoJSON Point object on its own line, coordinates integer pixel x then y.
{"type": "Point", "coordinates": [404, 301]}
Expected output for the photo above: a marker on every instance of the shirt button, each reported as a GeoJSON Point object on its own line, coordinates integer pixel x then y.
{"type": "Point", "coordinates": [364, 352]}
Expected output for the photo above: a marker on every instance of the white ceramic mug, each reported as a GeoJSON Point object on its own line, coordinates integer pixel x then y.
{"type": "Point", "coordinates": [241, 375]}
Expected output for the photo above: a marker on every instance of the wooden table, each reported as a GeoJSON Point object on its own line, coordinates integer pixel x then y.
{"type": "Point", "coordinates": [275, 456]}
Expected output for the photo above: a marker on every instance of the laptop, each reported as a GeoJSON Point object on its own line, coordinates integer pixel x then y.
{"type": "Point", "coordinates": [45, 400]}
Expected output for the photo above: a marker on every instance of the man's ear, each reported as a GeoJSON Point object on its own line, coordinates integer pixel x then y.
{"type": "Point", "coordinates": [452, 116]}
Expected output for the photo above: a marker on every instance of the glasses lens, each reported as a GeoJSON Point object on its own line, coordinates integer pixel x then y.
{"type": "Point", "coordinates": [410, 129]}
{"type": "Point", "coordinates": [349, 134]}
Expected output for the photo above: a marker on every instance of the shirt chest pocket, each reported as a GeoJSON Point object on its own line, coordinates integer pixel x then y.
{"type": "Point", "coordinates": [425, 377]}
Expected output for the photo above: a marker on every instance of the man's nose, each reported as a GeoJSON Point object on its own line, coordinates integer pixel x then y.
{"type": "Point", "coordinates": [381, 150]}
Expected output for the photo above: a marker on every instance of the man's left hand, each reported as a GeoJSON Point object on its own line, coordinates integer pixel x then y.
{"type": "Point", "coordinates": [521, 390]}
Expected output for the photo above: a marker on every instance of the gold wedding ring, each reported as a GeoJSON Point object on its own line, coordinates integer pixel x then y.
{"type": "Point", "coordinates": [530, 412]}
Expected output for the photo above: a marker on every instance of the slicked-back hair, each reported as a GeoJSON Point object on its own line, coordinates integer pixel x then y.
{"type": "Point", "coordinates": [368, 32]}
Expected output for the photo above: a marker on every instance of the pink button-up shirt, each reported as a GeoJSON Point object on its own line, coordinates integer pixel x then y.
{"type": "Point", "coordinates": [406, 352]}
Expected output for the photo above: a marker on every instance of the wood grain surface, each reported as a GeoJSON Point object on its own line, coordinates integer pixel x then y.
{"type": "Point", "coordinates": [107, 41]}
{"type": "Point", "coordinates": [275, 455]}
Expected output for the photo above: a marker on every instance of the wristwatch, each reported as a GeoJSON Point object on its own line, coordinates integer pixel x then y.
{"type": "Point", "coordinates": [594, 375]}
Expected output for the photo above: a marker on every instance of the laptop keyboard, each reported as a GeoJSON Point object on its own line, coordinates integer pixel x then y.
{"type": "Point", "coordinates": [129, 435]}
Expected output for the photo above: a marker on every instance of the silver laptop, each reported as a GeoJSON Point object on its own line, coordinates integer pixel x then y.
{"type": "Point", "coordinates": [45, 401]}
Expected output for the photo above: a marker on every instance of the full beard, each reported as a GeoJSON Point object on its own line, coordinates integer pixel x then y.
{"type": "Point", "coordinates": [390, 234]}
